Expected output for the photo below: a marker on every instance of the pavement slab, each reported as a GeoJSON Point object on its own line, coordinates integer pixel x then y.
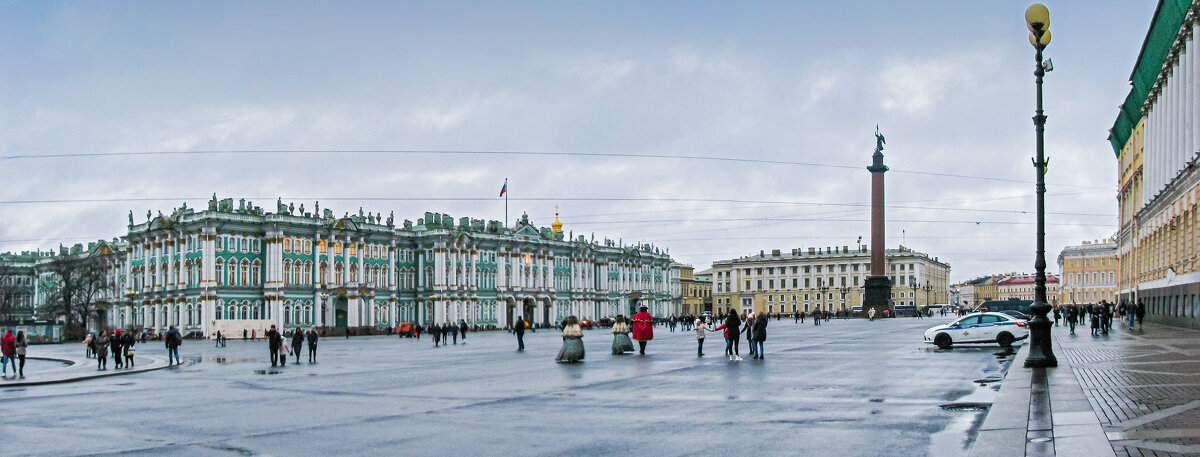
{"type": "Point", "coordinates": [846, 388]}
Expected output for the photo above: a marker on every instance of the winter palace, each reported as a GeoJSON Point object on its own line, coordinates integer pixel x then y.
{"type": "Point", "coordinates": [233, 268]}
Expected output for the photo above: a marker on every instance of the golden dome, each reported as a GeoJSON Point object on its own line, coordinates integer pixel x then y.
{"type": "Point", "coordinates": [557, 225]}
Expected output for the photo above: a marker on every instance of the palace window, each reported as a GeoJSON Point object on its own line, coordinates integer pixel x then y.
{"type": "Point", "coordinates": [337, 273]}
{"type": "Point", "coordinates": [337, 248]}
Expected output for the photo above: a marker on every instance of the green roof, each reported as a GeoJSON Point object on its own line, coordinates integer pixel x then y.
{"type": "Point", "coordinates": [1168, 17]}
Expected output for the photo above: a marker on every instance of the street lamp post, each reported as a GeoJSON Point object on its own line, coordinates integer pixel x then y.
{"type": "Point", "coordinates": [1041, 354]}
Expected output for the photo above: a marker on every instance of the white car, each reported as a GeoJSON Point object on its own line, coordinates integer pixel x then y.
{"type": "Point", "coordinates": [996, 328]}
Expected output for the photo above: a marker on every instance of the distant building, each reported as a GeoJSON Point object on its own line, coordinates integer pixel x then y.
{"type": "Point", "coordinates": [240, 267]}
{"type": "Point", "coordinates": [1021, 287]}
{"type": "Point", "coordinates": [828, 279]}
{"type": "Point", "coordinates": [696, 291]}
{"type": "Point", "coordinates": [1088, 272]}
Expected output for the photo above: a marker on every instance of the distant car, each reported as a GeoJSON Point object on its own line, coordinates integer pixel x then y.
{"type": "Point", "coordinates": [1016, 314]}
{"type": "Point", "coordinates": [586, 324]}
{"type": "Point", "coordinates": [194, 335]}
{"type": "Point", "coordinates": [996, 328]}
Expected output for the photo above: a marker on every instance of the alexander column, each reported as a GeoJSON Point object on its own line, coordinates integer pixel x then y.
{"type": "Point", "coordinates": [878, 286]}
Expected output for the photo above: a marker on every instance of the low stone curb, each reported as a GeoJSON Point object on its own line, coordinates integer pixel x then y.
{"type": "Point", "coordinates": [72, 373]}
{"type": "Point", "coordinates": [1041, 413]}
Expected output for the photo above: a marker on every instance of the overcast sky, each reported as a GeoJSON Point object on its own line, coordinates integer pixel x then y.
{"type": "Point", "coordinates": [950, 83]}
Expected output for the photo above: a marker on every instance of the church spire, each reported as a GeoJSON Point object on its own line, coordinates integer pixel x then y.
{"type": "Point", "coordinates": [557, 225]}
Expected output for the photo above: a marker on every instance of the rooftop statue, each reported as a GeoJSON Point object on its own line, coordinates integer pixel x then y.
{"type": "Point", "coordinates": [879, 141]}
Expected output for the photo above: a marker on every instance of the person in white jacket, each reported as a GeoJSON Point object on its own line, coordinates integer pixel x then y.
{"type": "Point", "coordinates": [701, 327]}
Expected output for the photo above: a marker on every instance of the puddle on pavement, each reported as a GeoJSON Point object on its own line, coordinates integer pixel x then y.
{"type": "Point", "coordinates": [268, 372]}
{"type": "Point", "coordinates": [225, 360]}
{"type": "Point", "coordinates": [966, 406]}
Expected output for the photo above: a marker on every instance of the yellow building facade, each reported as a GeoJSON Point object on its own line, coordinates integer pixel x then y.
{"type": "Point", "coordinates": [1089, 272]}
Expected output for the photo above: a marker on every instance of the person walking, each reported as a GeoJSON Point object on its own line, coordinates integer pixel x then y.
{"type": "Point", "coordinates": [173, 339]}
{"type": "Point", "coordinates": [274, 341]}
{"type": "Point", "coordinates": [701, 329]}
{"type": "Point", "coordinates": [312, 344]}
{"type": "Point", "coordinates": [100, 346]}
{"type": "Point", "coordinates": [87, 343]}
{"type": "Point", "coordinates": [1141, 312]}
{"type": "Point", "coordinates": [620, 331]}
{"type": "Point", "coordinates": [114, 343]}
{"type": "Point", "coordinates": [1072, 315]}
{"type": "Point", "coordinates": [297, 342]}
{"type": "Point", "coordinates": [572, 335]}
{"type": "Point", "coordinates": [283, 350]}
{"type": "Point", "coordinates": [519, 330]}
{"type": "Point", "coordinates": [643, 329]}
{"type": "Point", "coordinates": [435, 333]}
{"type": "Point", "coordinates": [760, 335]}
{"type": "Point", "coordinates": [8, 353]}
{"type": "Point", "coordinates": [21, 344]}
{"type": "Point", "coordinates": [127, 351]}
{"type": "Point", "coordinates": [816, 317]}
{"type": "Point", "coordinates": [1094, 314]}
{"type": "Point", "coordinates": [747, 329]}
{"type": "Point", "coordinates": [732, 322]}
{"type": "Point", "coordinates": [1057, 315]}
{"type": "Point", "coordinates": [462, 328]}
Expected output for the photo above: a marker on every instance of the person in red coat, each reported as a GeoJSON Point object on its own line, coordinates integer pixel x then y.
{"type": "Point", "coordinates": [643, 329]}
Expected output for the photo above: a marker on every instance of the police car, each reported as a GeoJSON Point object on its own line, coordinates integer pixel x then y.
{"type": "Point", "coordinates": [996, 328]}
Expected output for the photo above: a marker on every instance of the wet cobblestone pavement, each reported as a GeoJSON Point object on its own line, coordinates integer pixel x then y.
{"type": "Point", "coordinates": [846, 388]}
{"type": "Point", "coordinates": [1143, 384]}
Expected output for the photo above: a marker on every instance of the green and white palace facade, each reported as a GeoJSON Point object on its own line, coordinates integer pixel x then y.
{"type": "Point", "coordinates": [242, 268]}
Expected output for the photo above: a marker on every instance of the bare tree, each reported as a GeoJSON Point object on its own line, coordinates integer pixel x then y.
{"type": "Point", "coordinates": [11, 291]}
{"type": "Point", "coordinates": [79, 282]}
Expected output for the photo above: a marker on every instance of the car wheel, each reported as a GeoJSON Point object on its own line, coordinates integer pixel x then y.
{"type": "Point", "coordinates": [943, 341]}
{"type": "Point", "coordinates": [1005, 339]}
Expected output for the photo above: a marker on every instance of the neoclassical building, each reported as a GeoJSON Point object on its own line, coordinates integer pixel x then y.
{"type": "Point", "coordinates": [242, 268]}
{"type": "Point", "coordinates": [825, 279]}
{"type": "Point", "coordinates": [1156, 138]}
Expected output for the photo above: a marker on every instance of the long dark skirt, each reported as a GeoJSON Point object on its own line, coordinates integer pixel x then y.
{"type": "Point", "coordinates": [621, 343]}
{"type": "Point", "coordinates": [572, 350]}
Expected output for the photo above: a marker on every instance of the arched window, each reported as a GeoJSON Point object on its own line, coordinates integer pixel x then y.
{"type": "Point", "coordinates": [354, 272]}
{"type": "Point", "coordinates": [296, 275]}
{"type": "Point", "coordinates": [245, 273]}
{"type": "Point", "coordinates": [308, 273]}
{"type": "Point", "coordinates": [287, 314]}
{"type": "Point", "coordinates": [220, 312]}
{"type": "Point", "coordinates": [337, 273]}
{"type": "Point", "coordinates": [188, 320]}
{"type": "Point", "coordinates": [256, 272]}
{"type": "Point", "coordinates": [287, 271]}
{"type": "Point", "coordinates": [220, 272]}
{"type": "Point", "coordinates": [323, 273]}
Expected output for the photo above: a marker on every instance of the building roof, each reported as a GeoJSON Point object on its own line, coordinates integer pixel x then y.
{"type": "Point", "coordinates": [1015, 280]}
{"type": "Point", "coordinates": [1168, 17]}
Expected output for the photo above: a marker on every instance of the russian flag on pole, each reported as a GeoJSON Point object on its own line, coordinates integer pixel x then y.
{"type": "Point", "coordinates": [504, 190]}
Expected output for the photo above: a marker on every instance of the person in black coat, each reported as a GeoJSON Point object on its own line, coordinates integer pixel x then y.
{"type": "Point", "coordinates": [298, 342]}
{"type": "Point", "coordinates": [519, 330]}
{"type": "Point", "coordinates": [462, 328]}
{"type": "Point", "coordinates": [1072, 315]}
{"type": "Point", "coordinates": [117, 343]}
{"type": "Point", "coordinates": [274, 341]}
{"type": "Point", "coordinates": [759, 335]}
{"type": "Point", "coordinates": [127, 350]}
{"type": "Point", "coordinates": [1141, 312]}
{"type": "Point", "coordinates": [312, 337]}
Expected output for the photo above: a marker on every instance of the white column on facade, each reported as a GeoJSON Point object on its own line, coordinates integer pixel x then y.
{"type": "Point", "coordinates": [1194, 99]}
{"type": "Point", "coordinates": [1189, 97]}
{"type": "Point", "coordinates": [391, 267]}
{"type": "Point", "coordinates": [1176, 82]}
{"type": "Point", "coordinates": [361, 251]}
